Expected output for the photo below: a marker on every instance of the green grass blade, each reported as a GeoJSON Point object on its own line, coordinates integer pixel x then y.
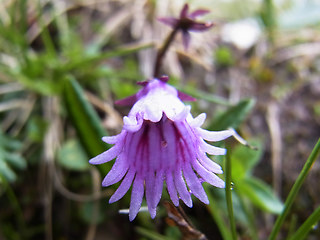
{"type": "Point", "coordinates": [294, 191]}
{"type": "Point", "coordinates": [209, 97]}
{"type": "Point", "coordinates": [233, 116]}
{"type": "Point", "coordinates": [302, 232]}
{"type": "Point", "coordinates": [85, 120]}
{"type": "Point", "coordinates": [228, 190]}
{"type": "Point", "coordinates": [217, 215]}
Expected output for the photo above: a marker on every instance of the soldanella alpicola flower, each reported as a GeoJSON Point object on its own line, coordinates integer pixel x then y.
{"type": "Point", "coordinates": [187, 23]}
{"type": "Point", "coordinates": [161, 142]}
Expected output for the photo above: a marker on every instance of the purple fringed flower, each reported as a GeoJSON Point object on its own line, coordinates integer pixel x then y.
{"type": "Point", "coordinates": [187, 23]}
{"type": "Point", "coordinates": [161, 142]}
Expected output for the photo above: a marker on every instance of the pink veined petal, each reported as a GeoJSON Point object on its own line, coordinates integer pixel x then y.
{"type": "Point", "coordinates": [208, 176]}
{"type": "Point", "coordinates": [141, 158]}
{"type": "Point", "coordinates": [170, 139]}
{"type": "Point", "coordinates": [199, 27]}
{"type": "Point", "coordinates": [172, 22]}
{"type": "Point", "coordinates": [107, 155]}
{"type": "Point", "coordinates": [181, 115]}
{"type": "Point", "coordinates": [198, 121]}
{"type": "Point", "coordinates": [114, 139]}
{"type": "Point", "coordinates": [181, 187]}
{"type": "Point", "coordinates": [198, 13]}
{"type": "Point", "coordinates": [212, 149]}
{"type": "Point", "coordinates": [132, 125]}
{"type": "Point", "coordinates": [194, 183]}
{"type": "Point", "coordinates": [186, 39]}
{"type": "Point", "coordinates": [154, 151]}
{"type": "Point", "coordinates": [124, 186]}
{"type": "Point", "coordinates": [132, 146]}
{"type": "Point", "coordinates": [136, 197]}
{"type": "Point", "coordinates": [171, 188]}
{"type": "Point", "coordinates": [150, 189]}
{"type": "Point", "coordinates": [118, 170]}
{"type": "Point", "coordinates": [190, 143]}
{"type": "Point", "coordinates": [208, 163]}
{"type": "Point", "coordinates": [214, 135]}
{"type": "Point", "coordinates": [184, 11]}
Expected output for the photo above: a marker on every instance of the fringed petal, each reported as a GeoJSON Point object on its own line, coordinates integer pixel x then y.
{"type": "Point", "coordinates": [171, 188]}
{"type": "Point", "coordinates": [136, 197]}
{"type": "Point", "coordinates": [212, 149]}
{"type": "Point", "coordinates": [107, 155]}
{"type": "Point", "coordinates": [208, 163]}
{"type": "Point", "coordinates": [114, 139]}
{"type": "Point", "coordinates": [181, 115]}
{"type": "Point", "coordinates": [198, 121]}
{"type": "Point", "coordinates": [118, 170]}
{"type": "Point", "coordinates": [124, 186]}
{"type": "Point", "coordinates": [158, 188]}
{"type": "Point", "coordinates": [208, 176]}
{"type": "Point", "coordinates": [214, 135]}
{"type": "Point", "coordinates": [150, 188]}
{"type": "Point", "coordinates": [132, 125]}
{"type": "Point", "coordinates": [181, 187]}
{"type": "Point", "coordinates": [194, 183]}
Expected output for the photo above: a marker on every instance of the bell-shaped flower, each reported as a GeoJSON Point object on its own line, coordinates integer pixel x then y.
{"type": "Point", "coordinates": [161, 142]}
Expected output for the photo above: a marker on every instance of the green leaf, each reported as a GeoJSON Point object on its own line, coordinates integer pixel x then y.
{"type": "Point", "coordinates": [15, 160]}
{"type": "Point", "coordinates": [10, 158]}
{"type": "Point", "coordinates": [233, 116]}
{"type": "Point", "coordinates": [71, 156]}
{"type": "Point", "coordinates": [85, 120]}
{"type": "Point", "coordinates": [260, 194]}
{"type": "Point", "coordinates": [6, 172]}
{"type": "Point", "coordinates": [245, 159]}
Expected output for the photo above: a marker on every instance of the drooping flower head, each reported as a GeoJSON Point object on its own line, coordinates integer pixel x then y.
{"type": "Point", "coordinates": [161, 142]}
{"type": "Point", "coordinates": [186, 22]}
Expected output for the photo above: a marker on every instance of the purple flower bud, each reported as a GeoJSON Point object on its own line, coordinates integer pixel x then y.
{"type": "Point", "coordinates": [162, 142]}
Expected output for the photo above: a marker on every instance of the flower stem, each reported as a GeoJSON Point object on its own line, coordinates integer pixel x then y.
{"type": "Point", "coordinates": [162, 51]}
{"type": "Point", "coordinates": [302, 232]}
{"type": "Point", "coordinates": [292, 195]}
{"type": "Point", "coordinates": [229, 197]}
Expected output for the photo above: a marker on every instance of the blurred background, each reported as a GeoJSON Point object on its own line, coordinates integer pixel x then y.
{"type": "Point", "coordinates": [63, 63]}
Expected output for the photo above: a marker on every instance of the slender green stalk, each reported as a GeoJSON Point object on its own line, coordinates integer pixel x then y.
{"type": "Point", "coordinates": [250, 216]}
{"type": "Point", "coordinates": [229, 197]}
{"type": "Point", "coordinates": [302, 232]}
{"type": "Point", "coordinates": [292, 225]}
{"type": "Point", "coordinates": [217, 216]}
{"type": "Point", "coordinates": [292, 195]}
